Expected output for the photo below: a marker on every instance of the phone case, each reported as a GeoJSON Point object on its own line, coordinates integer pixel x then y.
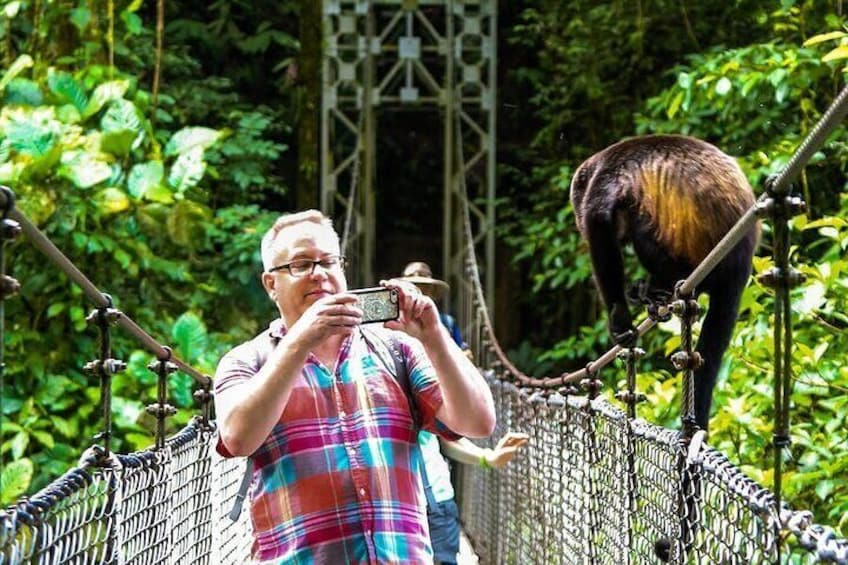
{"type": "Point", "coordinates": [378, 304]}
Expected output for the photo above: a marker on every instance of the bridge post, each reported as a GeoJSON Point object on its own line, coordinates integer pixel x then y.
{"type": "Point", "coordinates": [433, 55]}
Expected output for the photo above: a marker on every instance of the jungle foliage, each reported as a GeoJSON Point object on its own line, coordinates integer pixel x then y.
{"type": "Point", "coordinates": [157, 170]}
{"type": "Point", "coordinates": [753, 80]}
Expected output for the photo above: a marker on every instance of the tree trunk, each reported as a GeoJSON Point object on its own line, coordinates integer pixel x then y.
{"type": "Point", "coordinates": [309, 96]}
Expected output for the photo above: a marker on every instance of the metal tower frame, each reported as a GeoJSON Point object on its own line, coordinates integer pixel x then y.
{"type": "Point", "coordinates": [431, 54]}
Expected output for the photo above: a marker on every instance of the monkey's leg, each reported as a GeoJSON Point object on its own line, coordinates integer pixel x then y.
{"type": "Point", "coordinates": [608, 268]}
{"type": "Point", "coordinates": [725, 287]}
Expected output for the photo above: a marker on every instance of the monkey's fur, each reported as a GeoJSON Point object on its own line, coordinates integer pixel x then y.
{"type": "Point", "coordinates": [673, 197]}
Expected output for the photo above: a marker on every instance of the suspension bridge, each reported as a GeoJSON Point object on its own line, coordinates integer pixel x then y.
{"type": "Point", "coordinates": [598, 486]}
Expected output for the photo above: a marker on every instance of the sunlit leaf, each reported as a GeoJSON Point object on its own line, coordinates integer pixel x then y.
{"type": "Point", "coordinates": [112, 200]}
{"type": "Point", "coordinates": [188, 139]}
{"type": "Point", "coordinates": [723, 86]}
{"type": "Point", "coordinates": [84, 169]}
{"type": "Point", "coordinates": [145, 176]}
{"type": "Point", "coordinates": [187, 170]}
{"type": "Point", "coordinates": [103, 94]}
{"type": "Point", "coordinates": [15, 480]}
{"type": "Point", "coordinates": [17, 66]}
{"type": "Point", "coordinates": [840, 52]}
{"type": "Point", "coordinates": [824, 37]}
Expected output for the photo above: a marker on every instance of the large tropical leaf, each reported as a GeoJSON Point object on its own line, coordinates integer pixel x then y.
{"type": "Point", "coordinates": [84, 169]}
{"type": "Point", "coordinates": [23, 92]}
{"type": "Point", "coordinates": [103, 94]}
{"type": "Point", "coordinates": [31, 134]}
{"type": "Point", "coordinates": [189, 138]}
{"type": "Point", "coordinates": [144, 178]}
{"type": "Point", "coordinates": [187, 170]}
{"type": "Point", "coordinates": [67, 89]}
{"type": "Point", "coordinates": [121, 115]}
{"type": "Point", "coordinates": [189, 335]}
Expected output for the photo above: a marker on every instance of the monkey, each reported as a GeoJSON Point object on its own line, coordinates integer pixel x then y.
{"type": "Point", "coordinates": [673, 198]}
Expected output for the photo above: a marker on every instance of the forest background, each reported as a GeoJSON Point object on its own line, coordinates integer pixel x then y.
{"type": "Point", "coordinates": [155, 142]}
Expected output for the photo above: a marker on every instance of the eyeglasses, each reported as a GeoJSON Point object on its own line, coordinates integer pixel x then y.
{"type": "Point", "coordinates": [304, 267]}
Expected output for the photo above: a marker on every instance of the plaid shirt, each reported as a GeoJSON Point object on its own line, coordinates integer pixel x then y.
{"type": "Point", "coordinates": [337, 480]}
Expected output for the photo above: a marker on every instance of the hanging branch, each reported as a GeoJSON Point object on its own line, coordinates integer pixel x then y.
{"type": "Point", "coordinates": [157, 69]}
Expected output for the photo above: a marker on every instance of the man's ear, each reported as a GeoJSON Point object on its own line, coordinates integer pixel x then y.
{"type": "Point", "coordinates": [269, 281]}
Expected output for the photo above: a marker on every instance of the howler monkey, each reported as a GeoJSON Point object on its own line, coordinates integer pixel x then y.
{"type": "Point", "coordinates": [673, 197]}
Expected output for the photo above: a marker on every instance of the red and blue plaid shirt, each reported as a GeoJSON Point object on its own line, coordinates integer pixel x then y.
{"type": "Point", "coordinates": [337, 480]}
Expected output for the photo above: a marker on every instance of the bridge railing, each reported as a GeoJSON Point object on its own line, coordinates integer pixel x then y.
{"type": "Point", "coordinates": [597, 484]}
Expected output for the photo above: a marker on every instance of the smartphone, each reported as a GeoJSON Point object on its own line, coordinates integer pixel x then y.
{"type": "Point", "coordinates": [378, 304]}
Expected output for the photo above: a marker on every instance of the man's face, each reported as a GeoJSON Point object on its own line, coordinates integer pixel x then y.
{"type": "Point", "coordinates": [293, 295]}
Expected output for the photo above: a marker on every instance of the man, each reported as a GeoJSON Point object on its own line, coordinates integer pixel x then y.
{"type": "Point", "coordinates": [328, 426]}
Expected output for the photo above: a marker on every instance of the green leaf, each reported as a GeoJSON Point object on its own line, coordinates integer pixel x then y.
{"type": "Point", "coordinates": [11, 9]}
{"type": "Point", "coordinates": [44, 438]}
{"type": "Point", "coordinates": [84, 169]}
{"type": "Point", "coordinates": [187, 223]}
{"type": "Point", "coordinates": [23, 92]}
{"type": "Point", "coordinates": [19, 444]}
{"type": "Point", "coordinates": [67, 89]}
{"type": "Point", "coordinates": [111, 200]}
{"type": "Point", "coordinates": [80, 17]}
{"type": "Point", "coordinates": [21, 63]}
{"type": "Point", "coordinates": [675, 105]}
{"type": "Point", "coordinates": [840, 52]}
{"type": "Point", "coordinates": [187, 170]}
{"type": "Point", "coordinates": [189, 138]}
{"type": "Point", "coordinates": [55, 309]}
{"type": "Point", "coordinates": [31, 134]}
{"type": "Point", "coordinates": [15, 480]}
{"type": "Point", "coordinates": [122, 115]}
{"type": "Point", "coordinates": [103, 94]}
{"type": "Point", "coordinates": [119, 142]}
{"type": "Point", "coordinates": [824, 37]}
{"type": "Point", "coordinates": [189, 335]}
{"type": "Point", "coordinates": [144, 177]}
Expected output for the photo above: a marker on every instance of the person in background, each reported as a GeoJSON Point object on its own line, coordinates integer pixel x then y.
{"type": "Point", "coordinates": [442, 512]}
{"type": "Point", "coordinates": [330, 431]}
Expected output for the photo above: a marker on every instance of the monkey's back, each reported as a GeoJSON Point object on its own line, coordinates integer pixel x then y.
{"type": "Point", "coordinates": [689, 191]}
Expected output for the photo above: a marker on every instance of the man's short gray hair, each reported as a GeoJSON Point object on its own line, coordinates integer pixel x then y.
{"type": "Point", "coordinates": [286, 220]}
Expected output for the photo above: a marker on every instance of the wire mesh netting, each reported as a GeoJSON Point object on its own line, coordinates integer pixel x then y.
{"type": "Point", "coordinates": [156, 506]}
{"type": "Point", "coordinates": [594, 487]}
{"type": "Point", "coordinates": [597, 487]}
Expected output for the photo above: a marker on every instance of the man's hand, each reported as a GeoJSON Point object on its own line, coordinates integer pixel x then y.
{"type": "Point", "coordinates": [331, 315]}
{"type": "Point", "coordinates": [506, 449]}
{"type": "Point", "coordinates": [419, 315]}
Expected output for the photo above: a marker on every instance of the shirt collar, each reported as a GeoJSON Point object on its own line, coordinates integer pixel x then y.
{"type": "Point", "coordinates": [277, 328]}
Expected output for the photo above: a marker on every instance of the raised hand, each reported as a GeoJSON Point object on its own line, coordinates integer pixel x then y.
{"type": "Point", "coordinates": [419, 315]}
{"type": "Point", "coordinates": [337, 314]}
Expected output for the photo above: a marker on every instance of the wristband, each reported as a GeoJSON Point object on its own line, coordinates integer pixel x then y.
{"type": "Point", "coordinates": [484, 462]}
